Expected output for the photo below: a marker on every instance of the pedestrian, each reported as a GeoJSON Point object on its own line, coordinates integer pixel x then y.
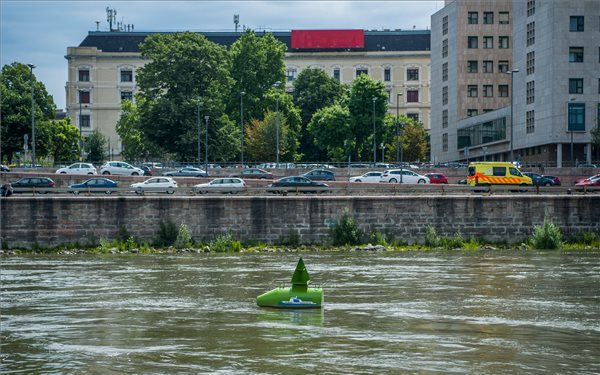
{"type": "Point", "coordinates": [7, 190]}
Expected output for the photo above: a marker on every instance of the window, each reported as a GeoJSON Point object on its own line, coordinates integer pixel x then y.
{"type": "Point", "coordinates": [387, 74]}
{"type": "Point", "coordinates": [445, 118]}
{"type": "Point", "coordinates": [530, 63]}
{"type": "Point", "coordinates": [576, 23]}
{"type": "Point", "coordinates": [84, 75]}
{"type": "Point", "coordinates": [360, 71]}
{"type": "Point", "coordinates": [445, 142]}
{"type": "Point", "coordinates": [488, 42]}
{"type": "Point", "coordinates": [412, 96]}
{"type": "Point", "coordinates": [575, 85]}
{"type": "Point", "coordinates": [472, 91]}
{"type": "Point", "coordinates": [84, 97]}
{"type": "Point", "coordinates": [126, 95]}
{"type": "Point", "coordinates": [488, 91]}
{"type": "Point", "coordinates": [291, 74]}
{"type": "Point", "coordinates": [576, 54]}
{"type": "Point", "coordinates": [503, 91]}
{"type": "Point", "coordinates": [85, 121]}
{"type": "Point", "coordinates": [472, 66]}
{"type": "Point", "coordinates": [414, 116]}
{"type": "Point", "coordinates": [503, 66]}
{"type": "Point", "coordinates": [445, 95]}
{"type": "Point", "coordinates": [472, 112]}
{"type": "Point", "coordinates": [445, 25]}
{"type": "Point", "coordinates": [445, 48]}
{"type": "Point", "coordinates": [530, 8]}
{"type": "Point", "coordinates": [445, 72]}
{"type": "Point", "coordinates": [488, 66]}
{"type": "Point", "coordinates": [503, 18]}
{"type": "Point", "coordinates": [530, 33]}
{"type": "Point", "coordinates": [412, 74]}
{"type": "Point", "coordinates": [530, 121]}
{"type": "Point", "coordinates": [336, 74]}
{"type": "Point", "coordinates": [530, 92]}
{"type": "Point", "coordinates": [503, 42]}
{"type": "Point", "coordinates": [472, 18]}
{"type": "Point", "coordinates": [576, 117]}
{"type": "Point", "coordinates": [486, 110]}
{"type": "Point", "coordinates": [126, 75]}
{"type": "Point", "coordinates": [488, 18]}
{"type": "Point", "coordinates": [472, 42]}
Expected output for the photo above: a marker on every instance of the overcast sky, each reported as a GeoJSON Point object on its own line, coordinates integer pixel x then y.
{"type": "Point", "coordinates": [39, 32]}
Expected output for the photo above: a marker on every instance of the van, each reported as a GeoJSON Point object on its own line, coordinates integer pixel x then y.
{"type": "Point", "coordinates": [495, 173]}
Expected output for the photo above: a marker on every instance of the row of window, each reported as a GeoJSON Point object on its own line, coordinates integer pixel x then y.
{"type": "Point", "coordinates": [488, 42]}
{"type": "Point", "coordinates": [487, 91]}
{"type": "Point", "coordinates": [488, 18]}
{"type": "Point", "coordinates": [487, 66]}
{"type": "Point", "coordinates": [84, 96]}
{"type": "Point", "coordinates": [126, 75]}
{"type": "Point", "coordinates": [412, 74]}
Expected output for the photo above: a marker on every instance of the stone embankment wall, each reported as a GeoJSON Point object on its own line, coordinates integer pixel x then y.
{"type": "Point", "coordinates": [52, 221]}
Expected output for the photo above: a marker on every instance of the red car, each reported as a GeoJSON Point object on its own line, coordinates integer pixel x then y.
{"type": "Point", "coordinates": [589, 182]}
{"type": "Point", "coordinates": [556, 179]}
{"type": "Point", "coordinates": [437, 178]}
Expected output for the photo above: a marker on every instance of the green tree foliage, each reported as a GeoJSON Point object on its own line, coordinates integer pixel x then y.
{"type": "Point", "coordinates": [261, 139]}
{"type": "Point", "coordinates": [313, 90]}
{"type": "Point", "coordinates": [64, 140]}
{"type": "Point", "coordinates": [133, 138]}
{"type": "Point", "coordinates": [95, 147]}
{"type": "Point", "coordinates": [413, 139]}
{"type": "Point", "coordinates": [15, 109]}
{"type": "Point", "coordinates": [184, 68]}
{"type": "Point", "coordinates": [331, 130]}
{"type": "Point", "coordinates": [257, 65]}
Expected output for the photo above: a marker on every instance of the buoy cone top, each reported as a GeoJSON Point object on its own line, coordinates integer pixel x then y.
{"type": "Point", "coordinates": [300, 276]}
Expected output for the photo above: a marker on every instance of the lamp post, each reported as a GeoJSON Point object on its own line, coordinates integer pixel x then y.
{"type": "Point", "coordinates": [276, 85]}
{"type": "Point", "coordinates": [374, 142]}
{"type": "Point", "coordinates": [398, 125]}
{"type": "Point", "coordinates": [31, 66]}
{"type": "Point", "coordinates": [512, 105]}
{"type": "Point", "coordinates": [382, 152]}
{"type": "Point", "coordinates": [206, 145]}
{"type": "Point", "coordinates": [242, 126]}
{"type": "Point", "coordinates": [198, 123]}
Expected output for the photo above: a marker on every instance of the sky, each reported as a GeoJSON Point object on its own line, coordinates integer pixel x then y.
{"type": "Point", "coordinates": [39, 32]}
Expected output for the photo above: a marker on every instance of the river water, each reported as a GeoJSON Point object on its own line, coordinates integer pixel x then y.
{"type": "Point", "coordinates": [385, 313]}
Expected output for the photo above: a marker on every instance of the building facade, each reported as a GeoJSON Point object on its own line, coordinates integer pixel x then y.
{"type": "Point", "coordinates": [102, 71]}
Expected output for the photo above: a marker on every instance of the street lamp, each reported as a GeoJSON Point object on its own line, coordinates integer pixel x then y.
{"type": "Point", "coordinates": [276, 85]}
{"type": "Point", "coordinates": [398, 125]}
{"type": "Point", "coordinates": [31, 66]}
{"type": "Point", "coordinates": [374, 143]}
{"type": "Point", "coordinates": [198, 123]}
{"type": "Point", "coordinates": [206, 145]}
{"type": "Point", "coordinates": [242, 126]}
{"type": "Point", "coordinates": [382, 152]}
{"type": "Point", "coordinates": [512, 105]}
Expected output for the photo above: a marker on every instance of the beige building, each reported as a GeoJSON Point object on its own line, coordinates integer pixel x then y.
{"type": "Point", "coordinates": [102, 70]}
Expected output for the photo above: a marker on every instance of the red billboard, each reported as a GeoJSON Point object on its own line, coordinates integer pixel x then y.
{"type": "Point", "coordinates": [322, 39]}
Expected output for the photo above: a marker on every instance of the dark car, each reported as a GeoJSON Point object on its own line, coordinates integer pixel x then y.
{"type": "Point", "coordinates": [4, 168]}
{"type": "Point", "coordinates": [187, 171]}
{"type": "Point", "coordinates": [255, 173]}
{"type": "Point", "coordinates": [320, 175]}
{"type": "Point", "coordinates": [34, 184]}
{"type": "Point", "coordinates": [296, 183]}
{"type": "Point", "coordinates": [556, 179]}
{"type": "Point", "coordinates": [539, 180]}
{"type": "Point", "coordinates": [147, 170]}
{"type": "Point", "coordinates": [437, 178]}
{"type": "Point", "coordinates": [94, 185]}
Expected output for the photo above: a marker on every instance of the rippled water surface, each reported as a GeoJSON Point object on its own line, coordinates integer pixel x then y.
{"type": "Point", "coordinates": [482, 313]}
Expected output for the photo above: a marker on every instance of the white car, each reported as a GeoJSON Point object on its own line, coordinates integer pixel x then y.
{"type": "Point", "coordinates": [367, 177]}
{"type": "Point", "coordinates": [78, 168]}
{"type": "Point", "coordinates": [120, 167]}
{"type": "Point", "coordinates": [155, 185]}
{"type": "Point", "coordinates": [404, 176]}
{"type": "Point", "coordinates": [231, 185]}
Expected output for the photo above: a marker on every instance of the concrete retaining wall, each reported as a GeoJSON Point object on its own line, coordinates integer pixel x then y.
{"type": "Point", "coordinates": [51, 221]}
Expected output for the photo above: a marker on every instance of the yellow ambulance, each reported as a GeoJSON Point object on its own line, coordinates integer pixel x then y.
{"type": "Point", "coordinates": [495, 173]}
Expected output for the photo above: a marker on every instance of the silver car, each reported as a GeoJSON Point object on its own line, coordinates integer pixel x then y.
{"type": "Point", "coordinates": [226, 185]}
{"type": "Point", "coordinates": [120, 167]}
{"type": "Point", "coordinates": [78, 168]}
{"type": "Point", "coordinates": [404, 176]}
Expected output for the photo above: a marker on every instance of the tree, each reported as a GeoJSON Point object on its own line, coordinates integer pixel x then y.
{"type": "Point", "coordinates": [64, 140]}
{"type": "Point", "coordinates": [15, 108]}
{"type": "Point", "coordinates": [135, 144]}
{"type": "Point", "coordinates": [261, 139]}
{"type": "Point", "coordinates": [413, 140]}
{"type": "Point", "coordinates": [330, 128]}
{"type": "Point", "coordinates": [313, 90]}
{"type": "Point", "coordinates": [95, 147]}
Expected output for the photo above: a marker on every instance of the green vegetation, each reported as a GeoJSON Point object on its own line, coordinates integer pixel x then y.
{"type": "Point", "coordinates": [346, 231]}
{"type": "Point", "coordinates": [225, 244]}
{"type": "Point", "coordinates": [547, 236]}
{"type": "Point", "coordinates": [184, 239]}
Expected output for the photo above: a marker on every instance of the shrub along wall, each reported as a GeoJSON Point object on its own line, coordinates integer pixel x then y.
{"type": "Point", "coordinates": [52, 221]}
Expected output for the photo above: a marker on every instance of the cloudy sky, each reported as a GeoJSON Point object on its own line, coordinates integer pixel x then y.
{"type": "Point", "coordinates": [39, 32]}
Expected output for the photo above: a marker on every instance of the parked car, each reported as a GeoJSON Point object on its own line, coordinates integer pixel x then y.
{"type": "Point", "coordinates": [594, 177]}
{"type": "Point", "coordinates": [156, 185]}
{"type": "Point", "coordinates": [147, 170]}
{"type": "Point", "coordinates": [587, 166]}
{"type": "Point", "coordinates": [539, 180]}
{"type": "Point", "coordinates": [403, 175]}
{"type": "Point", "coordinates": [153, 165]}
{"type": "Point", "coordinates": [437, 178]}
{"type": "Point", "coordinates": [40, 185]}
{"type": "Point", "coordinates": [94, 185]}
{"type": "Point", "coordinates": [120, 168]}
{"type": "Point", "coordinates": [301, 183]}
{"type": "Point", "coordinates": [555, 179]}
{"type": "Point", "coordinates": [320, 175]}
{"type": "Point", "coordinates": [4, 168]}
{"type": "Point", "coordinates": [366, 177]}
{"type": "Point", "coordinates": [255, 173]}
{"type": "Point", "coordinates": [225, 185]}
{"type": "Point", "coordinates": [187, 171]}
{"type": "Point", "coordinates": [78, 168]}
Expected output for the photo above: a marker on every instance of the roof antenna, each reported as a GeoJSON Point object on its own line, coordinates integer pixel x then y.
{"type": "Point", "coordinates": [97, 25]}
{"type": "Point", "coordinates": [111, 16]}
{"type": "Point", "coordinates": [236, 21]}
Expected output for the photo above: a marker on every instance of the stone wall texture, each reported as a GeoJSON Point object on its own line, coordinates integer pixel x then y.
{"type": "Point", "coordinates": [53, 221]}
